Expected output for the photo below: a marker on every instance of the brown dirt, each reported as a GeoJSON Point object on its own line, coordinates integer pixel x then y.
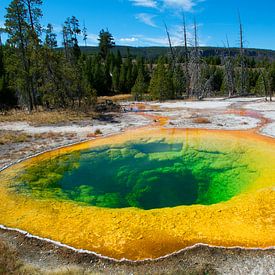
{"type": "Point", "coordinates": [38, 118]}
{"type": "Point", "coordinates": [26, 255]}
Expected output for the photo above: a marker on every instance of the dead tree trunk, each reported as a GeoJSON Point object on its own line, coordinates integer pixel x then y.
{"type": "Point", "coordinates": [243, 76]}
{"type": "Point", "coordinates": [186, 54]}
{"type": "Point", "coordinates": [229, 71]}
{"type": "Point", "coordinates": [170, 44]}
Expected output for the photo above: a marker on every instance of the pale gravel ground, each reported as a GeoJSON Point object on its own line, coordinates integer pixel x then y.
{"type": "Point", "coordinates": [172, 114]}
{"type": "Point", "coordinates": [181, 114]}
{"type": "Point", "coordinates": [126, 121]}
{"type": "Point", "coordinates": [269, 130]}
{"type": "Point", "coordinates": [261, 106]}
{"type": "Point", "coordinates": [270, 114]}
{"type": "Point", "coordinates": [193, 105]}
{"type": "Point", "coordinates": [224, 122]}
{"type": "Point", "coordinates": [245, 99]}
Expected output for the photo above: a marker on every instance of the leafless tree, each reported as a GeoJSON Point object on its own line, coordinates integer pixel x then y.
{"type": "Point", "coordinates": [195, 68]}
{"type": "Point", "coordinates": [170, 44]}
{"type": "Point", "coordinates": [186, 55]}
{"type": "Point", "coordinates": [243, 89]}
{"type": "Point", "coordinates": [229, 71]}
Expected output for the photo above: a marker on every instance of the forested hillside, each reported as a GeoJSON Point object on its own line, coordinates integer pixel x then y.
{"type": "Point", "coordinates": [34, 71]}
{"type": "Point", "coordinates": [152, 53]}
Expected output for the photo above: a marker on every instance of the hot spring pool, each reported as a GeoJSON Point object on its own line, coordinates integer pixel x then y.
{"type": "Point", "coordinates": [147, 194]}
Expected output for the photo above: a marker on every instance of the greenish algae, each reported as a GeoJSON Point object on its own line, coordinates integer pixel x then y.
{"type": "Point", "coordinates": [142, 174]}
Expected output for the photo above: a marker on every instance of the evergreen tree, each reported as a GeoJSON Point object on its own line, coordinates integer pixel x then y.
{"type": "Point", "coordinates": [50, 39]}
{"type": "Point", "coordinates": [217, 79]}
{"type": "Point", "coordinates": [19, 63]}
{"type": "Point", "coordinates": [179, 82]}
{"type": "Point", "coordinates": [7, 96]}
{"type": "Point", "coordinates": [161, 83]}
{"type": "Point", "coordinates": [70, 33]}
{"type": "Point", "coordinates": [115, 80]}
{"type": "Point", "coordinates": [272, 79]}
{"type": "Point", "coordinates": [122, 79]}
{"type": "Point", "coordinates": [2, 69]}
{"type": "Point", "coordinates": [118, 59]}
{"type": "Point", "coordinates": [85, 34]}
{"type": "Point", "coordinates": [263, 84]}
{"type": "Point", "coordinates": [106, 42]}
{"type": "Point", "coordinates": [140, 86]}
{"type": "Point", "coordinates": [129, 75]}
{"type": "Point", "coordinates": [99, 83]}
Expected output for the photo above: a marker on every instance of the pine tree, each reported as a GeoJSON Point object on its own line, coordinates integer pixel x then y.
{"type": "Point", "coordinates": [115, 80]}
{"type": "Point", "coordinates": [140, 86]}
{"type": "Point", "coordinates": [71, 31]}
{"type": "Point", "coordinates": [118, 59]}
{"type": "Point", "coordinates": [263, 86]}
{"type": "Point", "coordinates": [7, 95]}
{"type": "Point", "coordinates": [129, 76]}
{"type": "Point", "coordinates": [106, 42]}
{"type": "Point", "coordinates": [85, 34]}
{"type": "Point", "coordinates": [161, 86]}
{"type": "Point", "coordinates": [179, 82]}
{"type": "Point", "coordinates": [17, 28]}
{"type": "Point", "coordinates": [122, 78]}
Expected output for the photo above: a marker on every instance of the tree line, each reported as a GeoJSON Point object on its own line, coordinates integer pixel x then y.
{"type": "Point", "coordinates": [35, 72]}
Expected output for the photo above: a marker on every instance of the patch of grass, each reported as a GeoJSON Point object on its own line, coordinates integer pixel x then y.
{"type": "Point", "coordinates": [98, 132]}
{"type": "Point", "coordinates": [48, 135]}
{"type": "Point", "coordinates": [9, 137]}
{"type": "Point", "coordinates": [70, 270]}
{"type": "Point", "coordinates": [201, 120]}
{"type": "Point", "coordinates": [37, 118]}
{"type": "Point", "coordinates": [11, 264]}
{"type": "Point", "coordinates": [115, 98]}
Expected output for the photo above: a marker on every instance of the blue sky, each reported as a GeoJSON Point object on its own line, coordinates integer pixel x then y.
{"type": "Point", "coordinates": [140, 22]}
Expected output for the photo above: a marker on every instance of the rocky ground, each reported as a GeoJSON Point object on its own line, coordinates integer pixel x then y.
{"type": "Point", "coordinates": [39, 257]}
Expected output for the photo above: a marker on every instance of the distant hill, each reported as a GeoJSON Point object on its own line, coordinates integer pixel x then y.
{"type": "Point", "coordinates": [154, 52]}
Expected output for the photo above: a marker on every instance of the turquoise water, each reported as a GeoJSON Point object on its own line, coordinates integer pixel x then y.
{"type": "Point", "coordinates": [140, 174]}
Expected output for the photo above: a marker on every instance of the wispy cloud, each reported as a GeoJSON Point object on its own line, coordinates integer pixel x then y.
{"type": "Point", "coordinates": [92, 39]}
{"type": "Point", "coordinates": [57, 28]}
{"type": "Point", "coordinates": [128, 40]}
{"type": "Point", "coordinates": [146, 19]}
{"type": "Point", "coordinates": [186, 5]}
{"type": "Point", "coordinates": [145, 3]}
{"type": "Point", "coordinates": [176, 35]}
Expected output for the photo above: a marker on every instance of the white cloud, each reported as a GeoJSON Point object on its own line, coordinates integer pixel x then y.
{"type": "Point", "coordinates": [57, 28]}
{"type": "Point", "coordinates": [146, 19]}
{"type": "Point", "coordinates": [92, 39]}
{"type": "Point", "coordinates": [156, 41]}
{"type": "Point", "coordinates": [145, 3]}
{"type": "Point", "coordinates": [186, 5]}
{"type": "Point", "coordinates": [128, 40]}
{"type": "Point", "coordinates": [176, 35]}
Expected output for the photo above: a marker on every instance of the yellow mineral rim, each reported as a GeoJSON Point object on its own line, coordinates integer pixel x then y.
{"type": "Point", "coordinates": [246, 220]}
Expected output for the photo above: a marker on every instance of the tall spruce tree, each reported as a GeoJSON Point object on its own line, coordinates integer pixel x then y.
{"type": "Point", "coordinates": [161, 86]}
{"type": "Point", "coordinates": [106, 42]}
{"type": "Point", "coordinates": [17, 28]}
{"type": "Point", "coordinates": [140, 87]}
